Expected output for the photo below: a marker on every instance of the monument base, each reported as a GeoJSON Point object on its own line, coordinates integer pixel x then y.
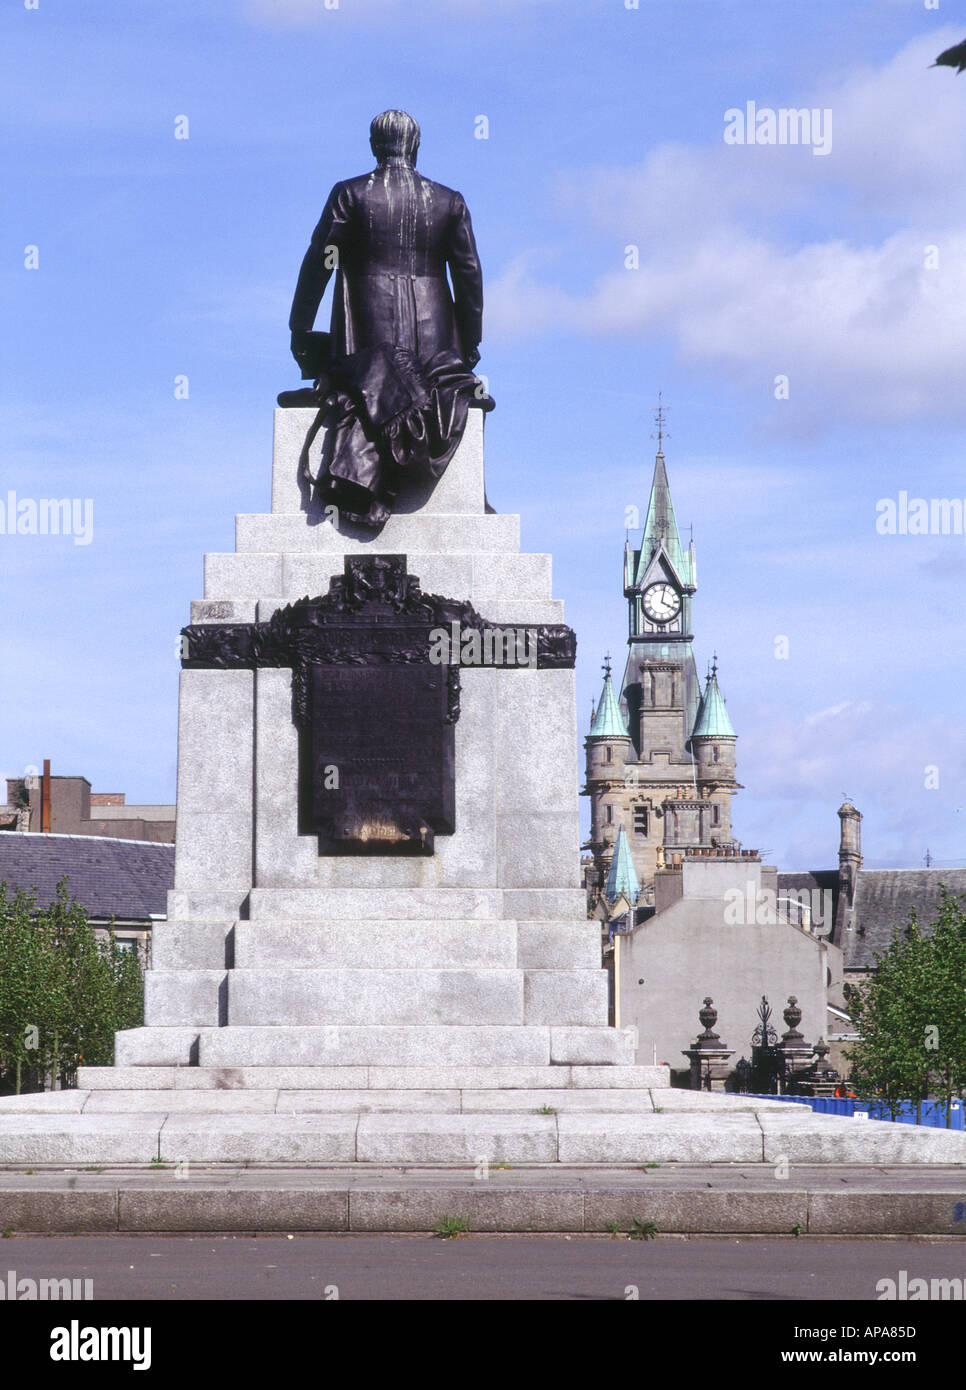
{"type": "Point", "coordinates": [266, 1117]}
{"type": "Point", "coordinates": [304, 1007]}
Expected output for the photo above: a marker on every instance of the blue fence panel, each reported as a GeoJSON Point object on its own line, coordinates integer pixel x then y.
{"type": "Point", "coordinates": [933, 1112]}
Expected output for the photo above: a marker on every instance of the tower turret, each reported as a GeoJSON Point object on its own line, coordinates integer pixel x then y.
{"type": "Point", "coordinates": [712, 745]}
{"type": "Point", "coordinates": [607, 747]}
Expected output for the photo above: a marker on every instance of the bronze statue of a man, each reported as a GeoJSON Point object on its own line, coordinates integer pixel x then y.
{"type": "Point", "coordinates": [394, 377]}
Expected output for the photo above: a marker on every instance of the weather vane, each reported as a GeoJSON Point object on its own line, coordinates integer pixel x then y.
{"type": "Point", "coordinates": [660, 419]}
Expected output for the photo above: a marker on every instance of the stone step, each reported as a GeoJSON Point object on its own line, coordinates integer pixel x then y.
{"type": "Point", "coordinates": [414, 997]}
{"type": "Point", "coordinates": [346, 1045]}
{"type": "Point", "coordinates": [185, 998]}
{"type": "Point", "coordinates": [364, 1101]}
{"type": "Point", "coordinates": [717, 1133]}
{"type": "Point", "coordinates": [394, 998]}
{"type": "Point", "coordinates": [187, 981]}
{"type": "Point", "coordinates": [191, 945]}
{"type": "Point", "coordinates": [385, 944]}
{"type": "Point", "coordinates": [156, 1047]}
{"type": "Point", "coordinates": [398, 943]}
{"type": "Point", "coordinates": [329, 1079]}
{"type": "Point", "coordinates": [438, 1045]}
{"type": "Point", "coordinates": [390, 997]}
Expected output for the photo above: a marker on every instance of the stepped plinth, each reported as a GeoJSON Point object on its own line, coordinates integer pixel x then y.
{"type": "Point", "coordinates": [415, 982]}
{"type": "Point", "coordinates": [280, 950]}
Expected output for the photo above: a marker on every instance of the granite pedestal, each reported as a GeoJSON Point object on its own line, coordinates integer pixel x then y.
{"type": "Point", "coordinates": [447, 1008]}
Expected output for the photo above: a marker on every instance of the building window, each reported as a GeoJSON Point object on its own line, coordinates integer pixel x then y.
{"type": "Point", "coordinates": [716, 752]}
{"type": "Point", "coordinates": [609, 754]}
{"type": "Point", "coordinates": [610, 815]}
{"type": "Point", "coordinates": [640, 820]}
{"type": "Point", "coordinates": [715, 814]}
{"type": "Point", "coordinates": [126, 943]}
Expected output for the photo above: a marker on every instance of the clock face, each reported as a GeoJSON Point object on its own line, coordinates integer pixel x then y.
{"type": "Point", "coordinates": [662, 602]}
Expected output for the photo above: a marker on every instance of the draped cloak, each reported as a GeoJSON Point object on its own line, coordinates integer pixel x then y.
{"type": "Point", "coordinates": [397, 384]}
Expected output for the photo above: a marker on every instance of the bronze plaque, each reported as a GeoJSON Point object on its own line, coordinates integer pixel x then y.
{"type": "Point", "coordinates": [380, 774]}
{"type": "Point", "coordinates": [374, 699]}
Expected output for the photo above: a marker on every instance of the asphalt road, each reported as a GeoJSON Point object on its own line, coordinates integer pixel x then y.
{"type": "Point", "coordinates": [476, 1267]}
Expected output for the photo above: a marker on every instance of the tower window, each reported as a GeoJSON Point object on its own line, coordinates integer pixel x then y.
{"type": "Point", "coordinates": [610, 753]}
{"type": "Point", "coordinates": [715, 814]}
{"type": "Point", "coordinates": [640, 820]}
{"type": "Point", "coordinates": [715, 752]}
{"type": "Point", "coordinates": [610, 815]}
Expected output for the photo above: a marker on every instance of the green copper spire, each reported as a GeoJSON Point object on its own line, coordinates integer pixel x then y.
{"type": "Point", "coordinates": [621, 877]}
{"type": "Point", "coordinates": [712, 719]}
{"type": "Point", "coordinates": [608, 722]}
{"type": "Point", "coordinates": [661, 528]}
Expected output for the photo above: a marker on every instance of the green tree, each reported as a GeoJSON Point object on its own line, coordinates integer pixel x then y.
{"type": "Point", "coordinates": [63, 994]}
{"type": "Point", "coordinates": [23, 985]}
{"type": "Point", "coordinates": [912, 1015]}
{"type": "Point", "coordinates": [892, 1012]}
{"type": "Point", "coordinates": [946, 993]}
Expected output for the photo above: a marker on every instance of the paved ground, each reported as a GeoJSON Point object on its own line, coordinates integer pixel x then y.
{"type": "Point", "coordinates": [577, 1268]}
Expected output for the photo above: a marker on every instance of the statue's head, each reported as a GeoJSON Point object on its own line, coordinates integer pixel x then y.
{"type": "Point", "coordinates": [394, 134]}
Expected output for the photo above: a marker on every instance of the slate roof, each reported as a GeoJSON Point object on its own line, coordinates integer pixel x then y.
{"type": "Point", "coordinates": [127, 879]}
{"type": "Point", "coordinates": [883, 899]}
{"type": "Point", "coordinates": [823, 881]}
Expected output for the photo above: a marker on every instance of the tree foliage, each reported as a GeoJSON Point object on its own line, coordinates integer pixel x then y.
{"type": "Point", "coordinates": [63, 994]}
{"type": "Point", "coordinates": [912, 1015]}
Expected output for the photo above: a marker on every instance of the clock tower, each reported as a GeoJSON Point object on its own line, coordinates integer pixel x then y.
{"type": "Point", "coordinates": [661, 764]}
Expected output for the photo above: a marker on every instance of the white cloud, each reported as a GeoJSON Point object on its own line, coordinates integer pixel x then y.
{"type": "Point", "coordinates": [875, 753]}
{"type": "Point", "coordinates": [860, 323]}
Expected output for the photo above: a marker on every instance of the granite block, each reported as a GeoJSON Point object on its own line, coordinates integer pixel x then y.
{"type": "Point", "coordinates": [561, 997]}
{"type": "Point", "coordinates": [378, 944]}
{"type": "Point", "coordinates": [457, 1139]}
{"type": "Point", "coordinates": [181, 998]}
{"type": "Point", "coordinates": [389, 997]}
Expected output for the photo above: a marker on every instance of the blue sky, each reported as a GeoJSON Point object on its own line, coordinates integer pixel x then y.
{"type": "Point", "coordinates": [159, 257]}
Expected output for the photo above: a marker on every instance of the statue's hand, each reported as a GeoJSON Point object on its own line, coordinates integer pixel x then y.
{"type": "Point", "coordinates": [472, 356]}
